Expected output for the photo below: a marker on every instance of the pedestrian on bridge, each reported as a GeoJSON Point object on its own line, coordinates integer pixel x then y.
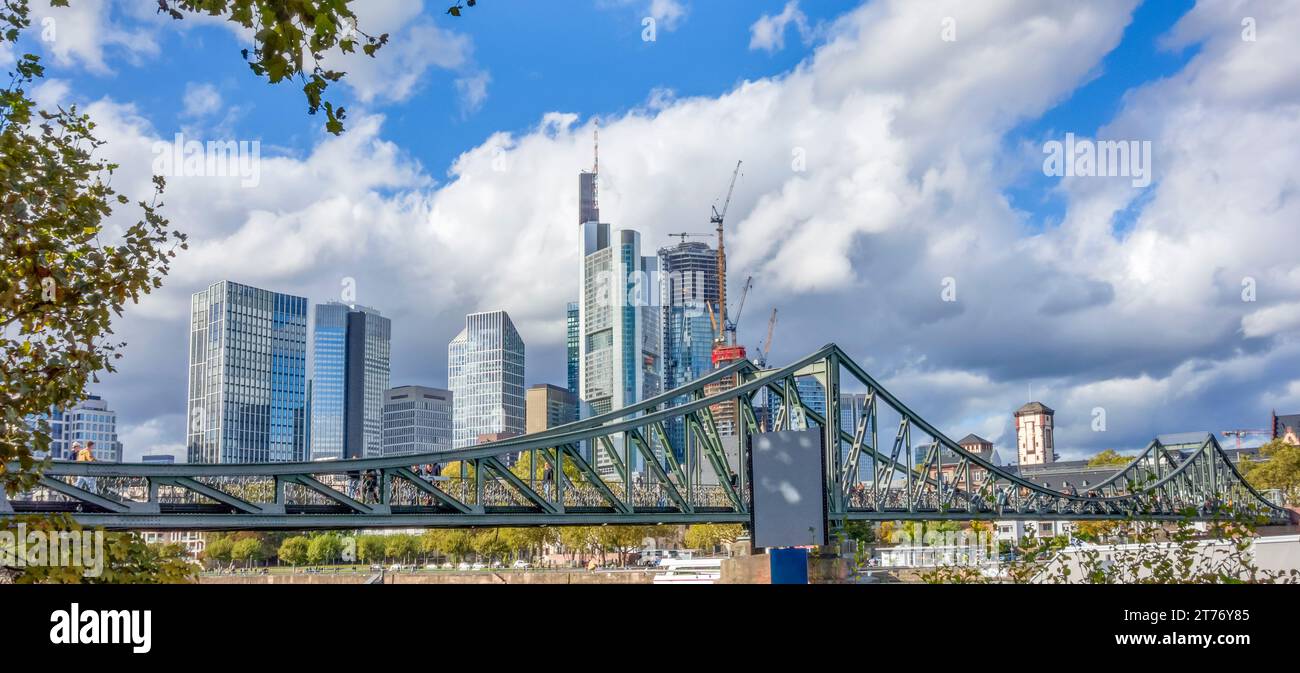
{"type": "Point", "coordinates": [84, 454]}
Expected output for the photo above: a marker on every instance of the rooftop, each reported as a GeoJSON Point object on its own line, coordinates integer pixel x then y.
{"type": "Point", "coordinates": [1035, 408]}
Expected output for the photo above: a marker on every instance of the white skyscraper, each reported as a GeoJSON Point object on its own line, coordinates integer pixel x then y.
{"type": "Point", "coordinates": [619, 350]}
{"type": "Point", "coordinates": [485, 371]}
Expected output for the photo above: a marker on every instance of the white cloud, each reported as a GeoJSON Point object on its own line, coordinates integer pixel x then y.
{"type": "Point", "coordinates": [82, 32]}
{"type": "Point", "coordinates": [668, 14]}
{"type": "Point", "coordinates": [51, 93]}
{"type": "Point", "coordinates": [416, 45]}
{"type": "Point", "coordinates": [201, 100]}
{"type": "Point", "coordinates": [154, 436]}
{"type": "Point", "coordinates": [768, 32]}
{"type": "Point", "coordinates": [473, 91]}
{"type": "Point", "coordinates": [1271, 321]}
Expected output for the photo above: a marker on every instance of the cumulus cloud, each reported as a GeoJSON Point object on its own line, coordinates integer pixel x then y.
{"type": "Point", "coordinates": [875, 172]}
{"type": "Point", "coordinates": [473, 91]}
{"type": "Point", "coordinates": [668, 14]}
{"type": "Point", "coordinates": [768, 32]}
{"type": "Point", "coordinates": [200, 100]}
{"type": "Point", "coordinates": [416, 45]}
{"type": "Point", "coordinates": [84, 31]}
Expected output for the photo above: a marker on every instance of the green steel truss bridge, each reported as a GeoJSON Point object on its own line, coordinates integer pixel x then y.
{"type": "Point", "coordinates": [678, 458]}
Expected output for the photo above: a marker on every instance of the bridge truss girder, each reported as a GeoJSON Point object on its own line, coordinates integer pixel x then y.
{"type": "Point", "coordinates": [585, 473]}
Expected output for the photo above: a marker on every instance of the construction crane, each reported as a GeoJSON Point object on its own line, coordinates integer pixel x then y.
{"type": "Point", "coordinates": [725, 350]}
{"type": "Point", "coordinates": [683, 237]}
{"type": "Point", "coordinates": [1242, 433]}
{"type": "Point", "coordinates": [766, 346]}
{"type": "Point", "coordinates": [744, 294]}
{"type": "Point", "coordinates": [718, 219]}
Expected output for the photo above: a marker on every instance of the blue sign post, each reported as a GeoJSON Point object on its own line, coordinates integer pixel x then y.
{"type": "Point", "coordinates": [789, 565]}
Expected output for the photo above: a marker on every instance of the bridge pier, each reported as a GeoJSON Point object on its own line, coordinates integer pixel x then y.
{"type": "Point", "coordinates": [826, 565]}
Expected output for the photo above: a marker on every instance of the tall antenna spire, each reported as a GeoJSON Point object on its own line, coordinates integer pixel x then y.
{"type": "Point", "coordinates": [595, 170]}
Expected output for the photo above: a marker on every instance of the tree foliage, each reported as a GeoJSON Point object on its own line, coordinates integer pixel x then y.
{"type": "Point", "coordinates": [324, 549]}
{"type": "Point", "coordinates": [63, 274]}
{"type": "Point", "coordinates": [295, 551]}
{"type": "Point", "coordinates": [710, 536]}
{"type": "Point", "coordinates": [1278, 468]}
{"type": "Point", "coordinates": [1150, 553]}
{"type": "Point", "coordinates": [1109, 458]}
{"type": "Point", "coordinates": [127, 558]}
{"type": "Point", "coordinates": [290, 39]}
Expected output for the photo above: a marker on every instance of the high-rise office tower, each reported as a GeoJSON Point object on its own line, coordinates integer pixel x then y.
{"type": "Point", "coordinates": [485, 371]}
{"type": "Point", "coordinates": [351, 347]}
{"type": "Point", "coordinates": [688, 287]}
{"type": "Point", "coordinates": [247, 376]}
{"type": "Point", "coordinates": [571, 347]}
{"type": "Point", "coordinates": [549, 407]}
{"type": "Point", "coordinates": [619, 340]}
{"type": "Point", "coordinates": [619, 349]}
{"type": "Point", "coordinates": [417, 420]}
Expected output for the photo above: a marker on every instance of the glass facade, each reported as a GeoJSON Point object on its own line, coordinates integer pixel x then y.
{"type": "Point", "coordinates": [351, 348]}
{"type": "Point", "coordinates": [689, 285]}
{"type": "Point", "coordinates": [571, 347]}
{"type": "Point", "coordinates": [417, 420]}
{"type": "Point", "coordinates": [485, 371]}
{"type": "Point", "coordinates": [247, 376]}
{"type": "Point", "coordinates": [619, 332]}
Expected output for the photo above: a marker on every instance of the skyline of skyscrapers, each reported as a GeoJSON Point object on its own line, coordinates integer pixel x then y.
{"type": "Point", "coordinates": [351, 352]}
{"type": "Point", "coordinates": [247, 376]}
{"type": "Point", "coordinates": [485, 372]}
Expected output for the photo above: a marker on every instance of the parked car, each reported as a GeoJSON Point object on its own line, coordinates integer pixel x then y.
{"type": "Point", "coordinates": [521, 564]}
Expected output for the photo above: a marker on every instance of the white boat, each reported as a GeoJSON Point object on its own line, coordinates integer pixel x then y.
{"type": "Point", "coordinates": [690, 571]}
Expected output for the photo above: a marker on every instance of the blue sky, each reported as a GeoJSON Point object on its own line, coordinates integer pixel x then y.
{"type": "Point", "coordinates": [923, 158]}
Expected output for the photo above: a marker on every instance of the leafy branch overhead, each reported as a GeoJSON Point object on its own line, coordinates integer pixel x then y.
{"type": "Point", "coordinates": [288, 32]}
{"type": "Point", "coordinates": [285, 34]}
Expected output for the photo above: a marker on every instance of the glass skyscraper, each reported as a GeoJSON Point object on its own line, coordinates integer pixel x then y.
{"type": "Point", "coordinates": [247, 376]}
{"type": "Point", "coordinates": [485, 371]}
{"type": "Point", "coordinates": [351, 349]}
{"type": "Point", "coordinates": [688, 286]}
{"type": "Point", "coordinates": [619, 333]}
{"type": "Point", "coordinates": [571, 346]}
